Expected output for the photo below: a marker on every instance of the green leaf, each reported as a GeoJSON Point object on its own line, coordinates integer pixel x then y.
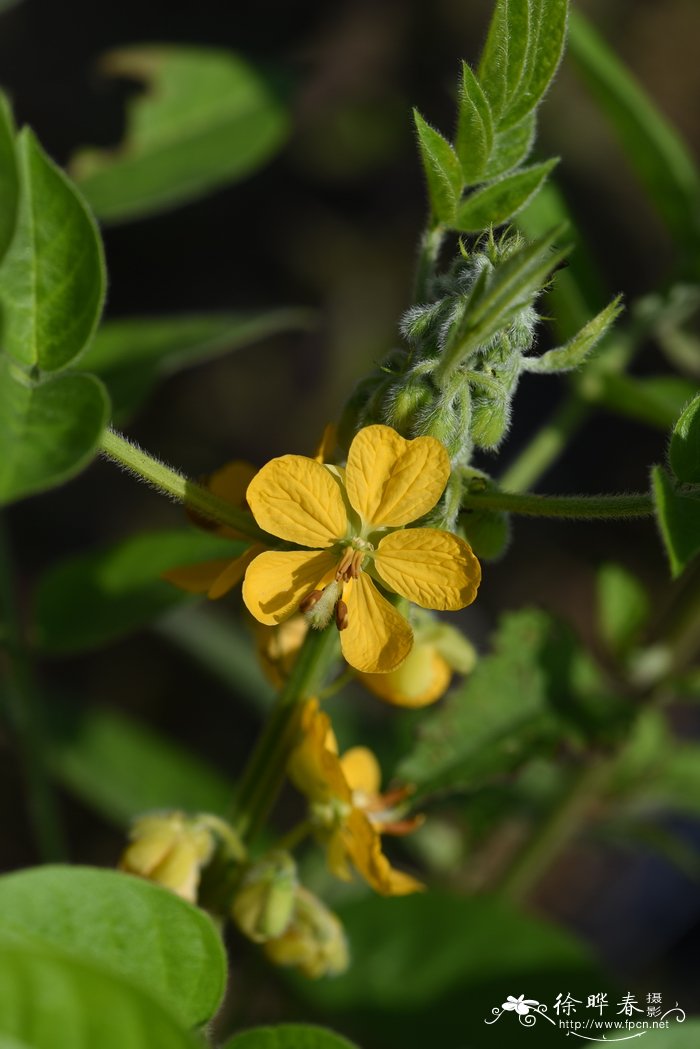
{"type": "Point", "coordinates": [126, 925]}
{"type": "Point", "coordinates": [511, 147]}
{"type": "Point", "coordinates": [480, 950]}
{"type": "Point", "coordinates": [474, 138]}
{"type": "Point", "coordinates": [288, 1036]}
{"type": "Point", "coordinates": [9, 181]}
{"type": "Point", "coordinates": [132, 353]}
{"type": "Point", "coordinates": [684, 451]}
{"type": "Point", "coordinates": [623, 606]}
{"type": "Point", "coordinates": [205, 119]}
{"type": "Point", "coordinates": [505, 52]}
{"type": "Point", "coordinates": [684, 1035]}
{"type": "Point", "coordinates": [566, 358]}
{"type": "Point", "coordinates": [48, 430]}
{"type": "Point", "coordinates": [52, 279]}
{"type": "Point", "coordinates": [545, 48]}
{"type": "Point", "coordinates": [498, 202]}
{"type": "Point", "coordinates": [442, 168]}
{"type": "Point", "coordinates": [490, 723]}
{"type": "Point", "coordinates": [655, 399]}
{"type": "Point", "coordinates": [656, 151]}
{"type": "Point", "coordinates": [678, 514]}
{"type": "Point", "coordinates": [115, 591]}
{"type": "Point", "coordinates": [94, 751]}
{"type": "Point", "coordinates": [50, 1000]}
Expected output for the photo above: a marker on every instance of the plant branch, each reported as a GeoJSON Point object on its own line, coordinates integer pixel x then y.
{"type": "Point", "coordinates": [575, 507]}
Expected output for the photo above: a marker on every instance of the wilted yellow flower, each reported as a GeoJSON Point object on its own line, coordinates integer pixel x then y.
{"type": "Point", "coordinates": [314, 941]}
{"type": "Point", "coordinates": [353, 520]}
{"type": "Point", "coordinates": [425, 674]}
{"type": "Point", "coordinates": [347, 809]}
{"type": "Point", "coordinates": [169, 848]}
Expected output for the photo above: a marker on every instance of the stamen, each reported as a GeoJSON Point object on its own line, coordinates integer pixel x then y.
{"type": "Point", "coordinates": [312, 599]}
{"type": "Point", "coordinates": [341, 615]}
{"type": "Point", "coordinates": [345, 563]}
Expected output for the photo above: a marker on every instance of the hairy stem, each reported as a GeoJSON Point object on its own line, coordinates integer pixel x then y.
{"type": "Point", "coordinates": [175, 485]}
{"type": "Point", "coordinates": [638, 504]}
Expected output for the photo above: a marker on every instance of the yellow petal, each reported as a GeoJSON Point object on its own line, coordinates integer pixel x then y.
{"type": "Point", "coordinates": [361, 769]}
{"type": "Point", "coordinates": [229, 484]}
{"type": "Point", "coordinates": [196, 579]}
{"type": "Point", "coordinates": [392, 481]}
{"type": "Point", "coordinates": [299, 500]}
{"type": "Point", "coordinates": [422, 678]}
{"type": "Point", "coordinates": [313, 768]}
{"type": "Point", "coordinates": [432, 568]}
{"type": "Point", "coordinates": [377, 637]}
{"type": "Point", "coordinates": [363, 846]}
{"type": "Point", "coordinates": [278, 647]}
{"type": "Point", "coordinates": [329, 439]}
{"type": "Point", "coordinates": [232, 575]}
{"type": "Point", "coordinates": [278, 580]}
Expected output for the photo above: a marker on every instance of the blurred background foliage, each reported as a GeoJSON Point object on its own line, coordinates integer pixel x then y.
{"type": "Point", "coordinates": [324, 231]}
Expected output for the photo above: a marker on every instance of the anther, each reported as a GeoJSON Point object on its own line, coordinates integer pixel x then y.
{"type": "Point", "coordinates": [341, 615]}
{"type": "Point", "coordinates": [310, 600]}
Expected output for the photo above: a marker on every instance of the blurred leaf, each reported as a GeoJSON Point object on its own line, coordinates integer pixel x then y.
{"type": "Point", "coordinates": [132, 353]}
{"type": "Point", "coordinates": [681, 1036]}
{"type": "Point", "coordinates": [655, 400]}
{"type": "Point", "coordinates": [442, 168]}
{"type": "Point", "coordinates": [566, 358]}
{"type": "Point", "coordinates": [511, 147]}
{"type": "Point", "coordinates": [126, 925]}
{"type": "Point", "coordinates": [48, 430]}
{"type": "Point", "coordinates": [684, 451]}
{"type": "Point", "coordinates": [678, 514]}
{"type": "Point", "coordinates": [50, 1000]}
{"type": "Point", "coordinates": [498, 202]}
{"type": "Point", "coordinates": [656, 151]}
{"type": "Point", "coordinates": [52, 279]}
{"type": "Point", "coordinates": [9, 182]}
{"type": "Point", "coordinates": [121, 768]}
{"type": "Point", "coordinates": [474, 137]}
{"type": "Point", "coordinates": [623, 606]}
{"type": "Point", "coordinates": [288, 1036]}
{"type": "Point", "coordinates": [422, 957]}
{"type": "Point", "coordinates": [205, 118]}
{"type": "Point", "coordinates": [117, 590]}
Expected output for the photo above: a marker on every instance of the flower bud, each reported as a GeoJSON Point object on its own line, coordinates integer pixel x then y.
{"type": "Point", "coordinates": [263, 905]}
{"type": "Point", "coordinates": [169, 848]}
{"type": "Point", "coordinates": [486, 531]}
{"type": "Point", "coordinates": [314, 941]}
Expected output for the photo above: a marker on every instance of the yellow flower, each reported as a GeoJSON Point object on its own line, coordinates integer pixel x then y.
{"type": "Point", "coordinates": [169, 848]}
{"type": "Point", "coordinates": [347, 809]}
{"type": "Point", "coordinates": [353, 520]}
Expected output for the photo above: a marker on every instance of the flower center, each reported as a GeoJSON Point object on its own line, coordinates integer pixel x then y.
{"type": "Point", "coordinates": [320, 606]}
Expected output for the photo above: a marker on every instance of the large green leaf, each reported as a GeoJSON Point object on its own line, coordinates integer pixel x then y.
{"type": "Point", "coordinates": [52, 1001]}
{"type": "Point", "coordinates": [121, 768]}
{"type": "Point", "coordinates": [653, 147]}
{"type": "Point", "coordinates": [288, 1036]}
{"type": "Point", "coordinates": [435, 957]}
{"type": "Point", "coordinates": [9, 182]}
{"type": "Point", "coordinates": [49, 430]}
{"type": "Point", "coordinates": [678, 514]}
{"type": "Point", "coordinates": [205, 118]}
{"type": "Point", "coordinates": [547, 32]}
{"type": "Point", "coordinates": [52, 279]}
{"type": "Point", "coordinates": [114, 591]}
{"type": "Point", "coordinates": [122, 924]}
{"type": "Point", "coordinates": [499, 201]}
{"type": "Point", "coordinates": [131, 353]}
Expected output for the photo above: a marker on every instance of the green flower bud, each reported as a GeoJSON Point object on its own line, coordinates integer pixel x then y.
{"type": "Point", "coordinates": [486, 531]}
{"type": "Point", "coordinates": [263, 905]}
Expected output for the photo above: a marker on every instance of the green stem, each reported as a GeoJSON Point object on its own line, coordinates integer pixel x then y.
{"type": "Point", "coordinates": [23, 713]}
{"type": "Point", "coordinates": [428, 253]}
{"type": "Point", "coordinates": [177, 486]}
{"type": "Point", "coordinates": [575, 507]}
{"type": "Point", "coordinates": [264, 774]}
{"type": "Point", "coordinates": [557, 830]}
